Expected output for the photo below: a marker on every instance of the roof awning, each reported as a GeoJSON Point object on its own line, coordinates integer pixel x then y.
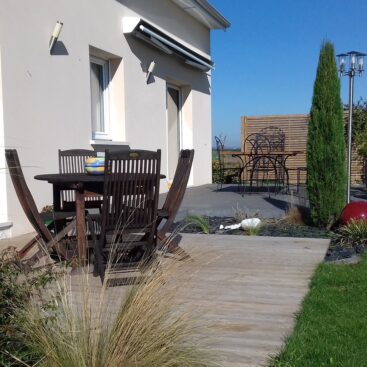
{"type": "Point", "coordinates": [165, 43]}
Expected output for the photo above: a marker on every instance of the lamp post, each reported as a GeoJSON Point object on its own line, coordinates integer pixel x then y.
{"type": "Point", "coordinates": [356, 62]}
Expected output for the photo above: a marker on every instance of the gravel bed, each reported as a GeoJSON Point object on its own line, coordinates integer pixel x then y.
{"type": "Point", "coordinates": [279, 228]}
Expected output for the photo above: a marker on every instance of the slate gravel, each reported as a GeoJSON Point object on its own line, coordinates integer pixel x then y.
{"type": "Point", "coordinates": [278, 228]}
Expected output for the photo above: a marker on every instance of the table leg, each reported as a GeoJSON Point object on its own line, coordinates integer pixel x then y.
{"type": "Point", "coordinates": [80, 226]}
{"type": "Point", "coordinates": [57, 198]}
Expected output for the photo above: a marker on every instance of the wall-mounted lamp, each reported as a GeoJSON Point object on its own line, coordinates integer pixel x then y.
{"type": "Point", "coordinates": [55, 35]}
{"type": "Point", "coordinates": [150, 70]}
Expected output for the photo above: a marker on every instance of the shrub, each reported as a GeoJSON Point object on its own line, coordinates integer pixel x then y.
{"type": "Point", "coordinates": [228, 177]}
{"type": "Point", "coordinates": [326, 171]}
{"type": "Point", "coordinates": [17, 285]}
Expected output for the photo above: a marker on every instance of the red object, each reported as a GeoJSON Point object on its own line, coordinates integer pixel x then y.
{"type": "Point", "coordinates": [356, 210]}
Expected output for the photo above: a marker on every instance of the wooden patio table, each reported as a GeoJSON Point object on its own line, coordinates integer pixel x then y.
{"type": "Point", "coordinates": [81, 183]}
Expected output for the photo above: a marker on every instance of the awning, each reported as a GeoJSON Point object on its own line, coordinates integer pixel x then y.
{"type": "Point", "coordinates": [165, 43]}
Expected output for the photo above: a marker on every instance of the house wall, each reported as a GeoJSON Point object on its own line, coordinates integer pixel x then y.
{"type": "Point", "coordinates": [46, 98]}
{"type": "Point", "coordinates": [3, 198]}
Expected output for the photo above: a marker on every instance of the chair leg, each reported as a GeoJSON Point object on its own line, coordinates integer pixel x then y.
{"type": "Point", "coordinates": [25, 249]}
{"type": "Point", "coordinates": [45, 248]}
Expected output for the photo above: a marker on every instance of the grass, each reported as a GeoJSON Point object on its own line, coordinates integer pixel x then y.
{"type": "Point", "coordinates": [331, 328]}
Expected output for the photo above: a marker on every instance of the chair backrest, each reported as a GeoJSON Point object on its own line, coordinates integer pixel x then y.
{"type": "Point", "coordinates": [220, 148]}
{"type": "Point", "coordinates": [131, 190]}
{"type": "Point", "coordinates": [73, 160]}
{"type": "Point", "coordinates": [24, 195]}
{"type": "Point", "coordinates": [177, 190]}
{"type": "Point", "coordinates": [257, 144]}
{"type": "Point", "coordinates": [276, 138]}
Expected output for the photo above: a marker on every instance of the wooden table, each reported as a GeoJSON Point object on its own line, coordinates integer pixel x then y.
{"type": "Point", "coordinates": [80, 183]}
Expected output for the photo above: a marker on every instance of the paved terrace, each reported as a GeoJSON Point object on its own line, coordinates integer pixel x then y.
{"type": "Point", "coordinates": [206, 200]}
{"type": "Point", "coordinates": [248, 289]}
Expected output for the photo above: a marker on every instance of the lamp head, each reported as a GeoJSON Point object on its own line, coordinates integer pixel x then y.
{"type": "Point", "coordinates": [55, 35]}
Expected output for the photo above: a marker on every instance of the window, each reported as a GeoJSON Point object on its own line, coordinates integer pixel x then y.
{"type": "Point", "coordinates": [99, 81]}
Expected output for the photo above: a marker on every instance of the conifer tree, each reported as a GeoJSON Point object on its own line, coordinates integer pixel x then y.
{"type": "Point", "coordinates": [326, 165]}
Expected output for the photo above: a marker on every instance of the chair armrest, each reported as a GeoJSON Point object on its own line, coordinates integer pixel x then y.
{"type": "Point", "coordinates": [56, 215]}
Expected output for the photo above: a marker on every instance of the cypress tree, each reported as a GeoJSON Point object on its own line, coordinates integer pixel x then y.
{"type": "Point", "coordinates": [326, 165]}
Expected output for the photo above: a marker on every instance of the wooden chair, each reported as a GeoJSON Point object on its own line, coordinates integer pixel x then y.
{"type": "Point", "coordinates": [73, 161]}
{"type": "Point", "coordinates": [168, 212]}
{"type": "Point", "coordinates": [45, 240]}
{"type": "Point", "coordinates": [129, 212]}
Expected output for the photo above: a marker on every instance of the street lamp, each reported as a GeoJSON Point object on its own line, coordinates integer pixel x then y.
{"type": "Point", "coordinates": [356, 62]}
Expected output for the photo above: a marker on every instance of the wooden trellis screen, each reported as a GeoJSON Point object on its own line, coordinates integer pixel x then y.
{"type": "Point", "coordinates": [295, 129]}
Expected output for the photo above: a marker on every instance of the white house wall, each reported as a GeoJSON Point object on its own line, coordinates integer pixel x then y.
{"type": "Point", "coordinates": [3, 198]}
{"type": "Point", "coordinates": [46, 99]}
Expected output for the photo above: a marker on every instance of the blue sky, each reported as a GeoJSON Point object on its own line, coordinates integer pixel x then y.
{"type": "Point", "coordinates": [266, 61]}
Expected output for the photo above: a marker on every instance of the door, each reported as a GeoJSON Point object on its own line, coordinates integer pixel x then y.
{"type": "Point", "coordinates": [173, 129]}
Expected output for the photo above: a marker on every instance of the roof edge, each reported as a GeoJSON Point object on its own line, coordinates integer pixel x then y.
{"type": "Point", "coordinates": [214, 13]}
{"type": "Point", "coordinates": [204, 12]}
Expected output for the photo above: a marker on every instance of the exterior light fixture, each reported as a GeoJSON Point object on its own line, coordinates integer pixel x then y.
{"type": "Point", "coordinates": [356, 63]}
{"type": "Point", "coordinates": [150, 70]}
{"type": "Point", "coordinates": [55, 35]}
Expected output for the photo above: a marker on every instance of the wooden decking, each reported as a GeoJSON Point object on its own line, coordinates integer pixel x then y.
{"type": "Point", "coordinates": [247, 290]}
{"type": "Point", "coordinates": [250, 290]}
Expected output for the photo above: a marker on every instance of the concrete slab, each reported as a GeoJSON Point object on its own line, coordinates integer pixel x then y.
{"type": "Point", "coordinates": [206, 200]}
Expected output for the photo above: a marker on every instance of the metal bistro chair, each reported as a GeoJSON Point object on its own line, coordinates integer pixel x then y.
{"type": "Point", "coordinates": [258, 163]}
{"type": "Point", "coordinates": [167, 214]}
{"type": "Point", "coordinates": [129, 213]}
{"type": "Point", "coordinates": [73, 161]}
{"type": "Point", "coordinates": [226, 172]}
{"type": "Point", "coordinates": [276, 138]}
{"type": "Point", "coordinates": [45, 239]}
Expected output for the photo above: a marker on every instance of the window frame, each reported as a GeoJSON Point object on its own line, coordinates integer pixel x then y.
{"type": "Point", "coordinates": [106, 134]}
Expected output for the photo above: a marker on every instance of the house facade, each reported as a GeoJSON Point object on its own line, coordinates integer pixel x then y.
{"type": "Point", "coordinates": [132, 72]}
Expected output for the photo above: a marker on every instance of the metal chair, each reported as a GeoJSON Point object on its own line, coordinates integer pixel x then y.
{"type": "Point", "coordinates": [45, 239]}
{"type": "Point", "coordinates": [226, 173]}
{"type": "Point", "coordinates": [129, 212]}
{"type": "Point", "coordinates": [73, 161]}
{"type": "Point", "coordinates": [258, 163]}
{"type": "Point", "coordinates": [276, 138]}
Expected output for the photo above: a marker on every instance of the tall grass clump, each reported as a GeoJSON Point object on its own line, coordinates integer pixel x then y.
{"type": "Point", "coordinates": [353, 234]}
{"type": "Point", "coordinates": [146, 328]}
{"type": "Point", "coordinates": [326, 165]}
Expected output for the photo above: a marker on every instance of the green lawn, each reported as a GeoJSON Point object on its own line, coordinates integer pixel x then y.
{"type": "Point", "coordinates": [331, 329]}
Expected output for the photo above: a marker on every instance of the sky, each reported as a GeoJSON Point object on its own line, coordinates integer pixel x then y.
{"type": "Point", "coordinates": [265, 63]}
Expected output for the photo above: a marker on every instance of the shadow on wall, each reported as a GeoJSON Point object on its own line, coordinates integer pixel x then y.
{"type": "Point", "coordinates": [168, 67]}
{"type": "Point", "coordinates": [59, 49]}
